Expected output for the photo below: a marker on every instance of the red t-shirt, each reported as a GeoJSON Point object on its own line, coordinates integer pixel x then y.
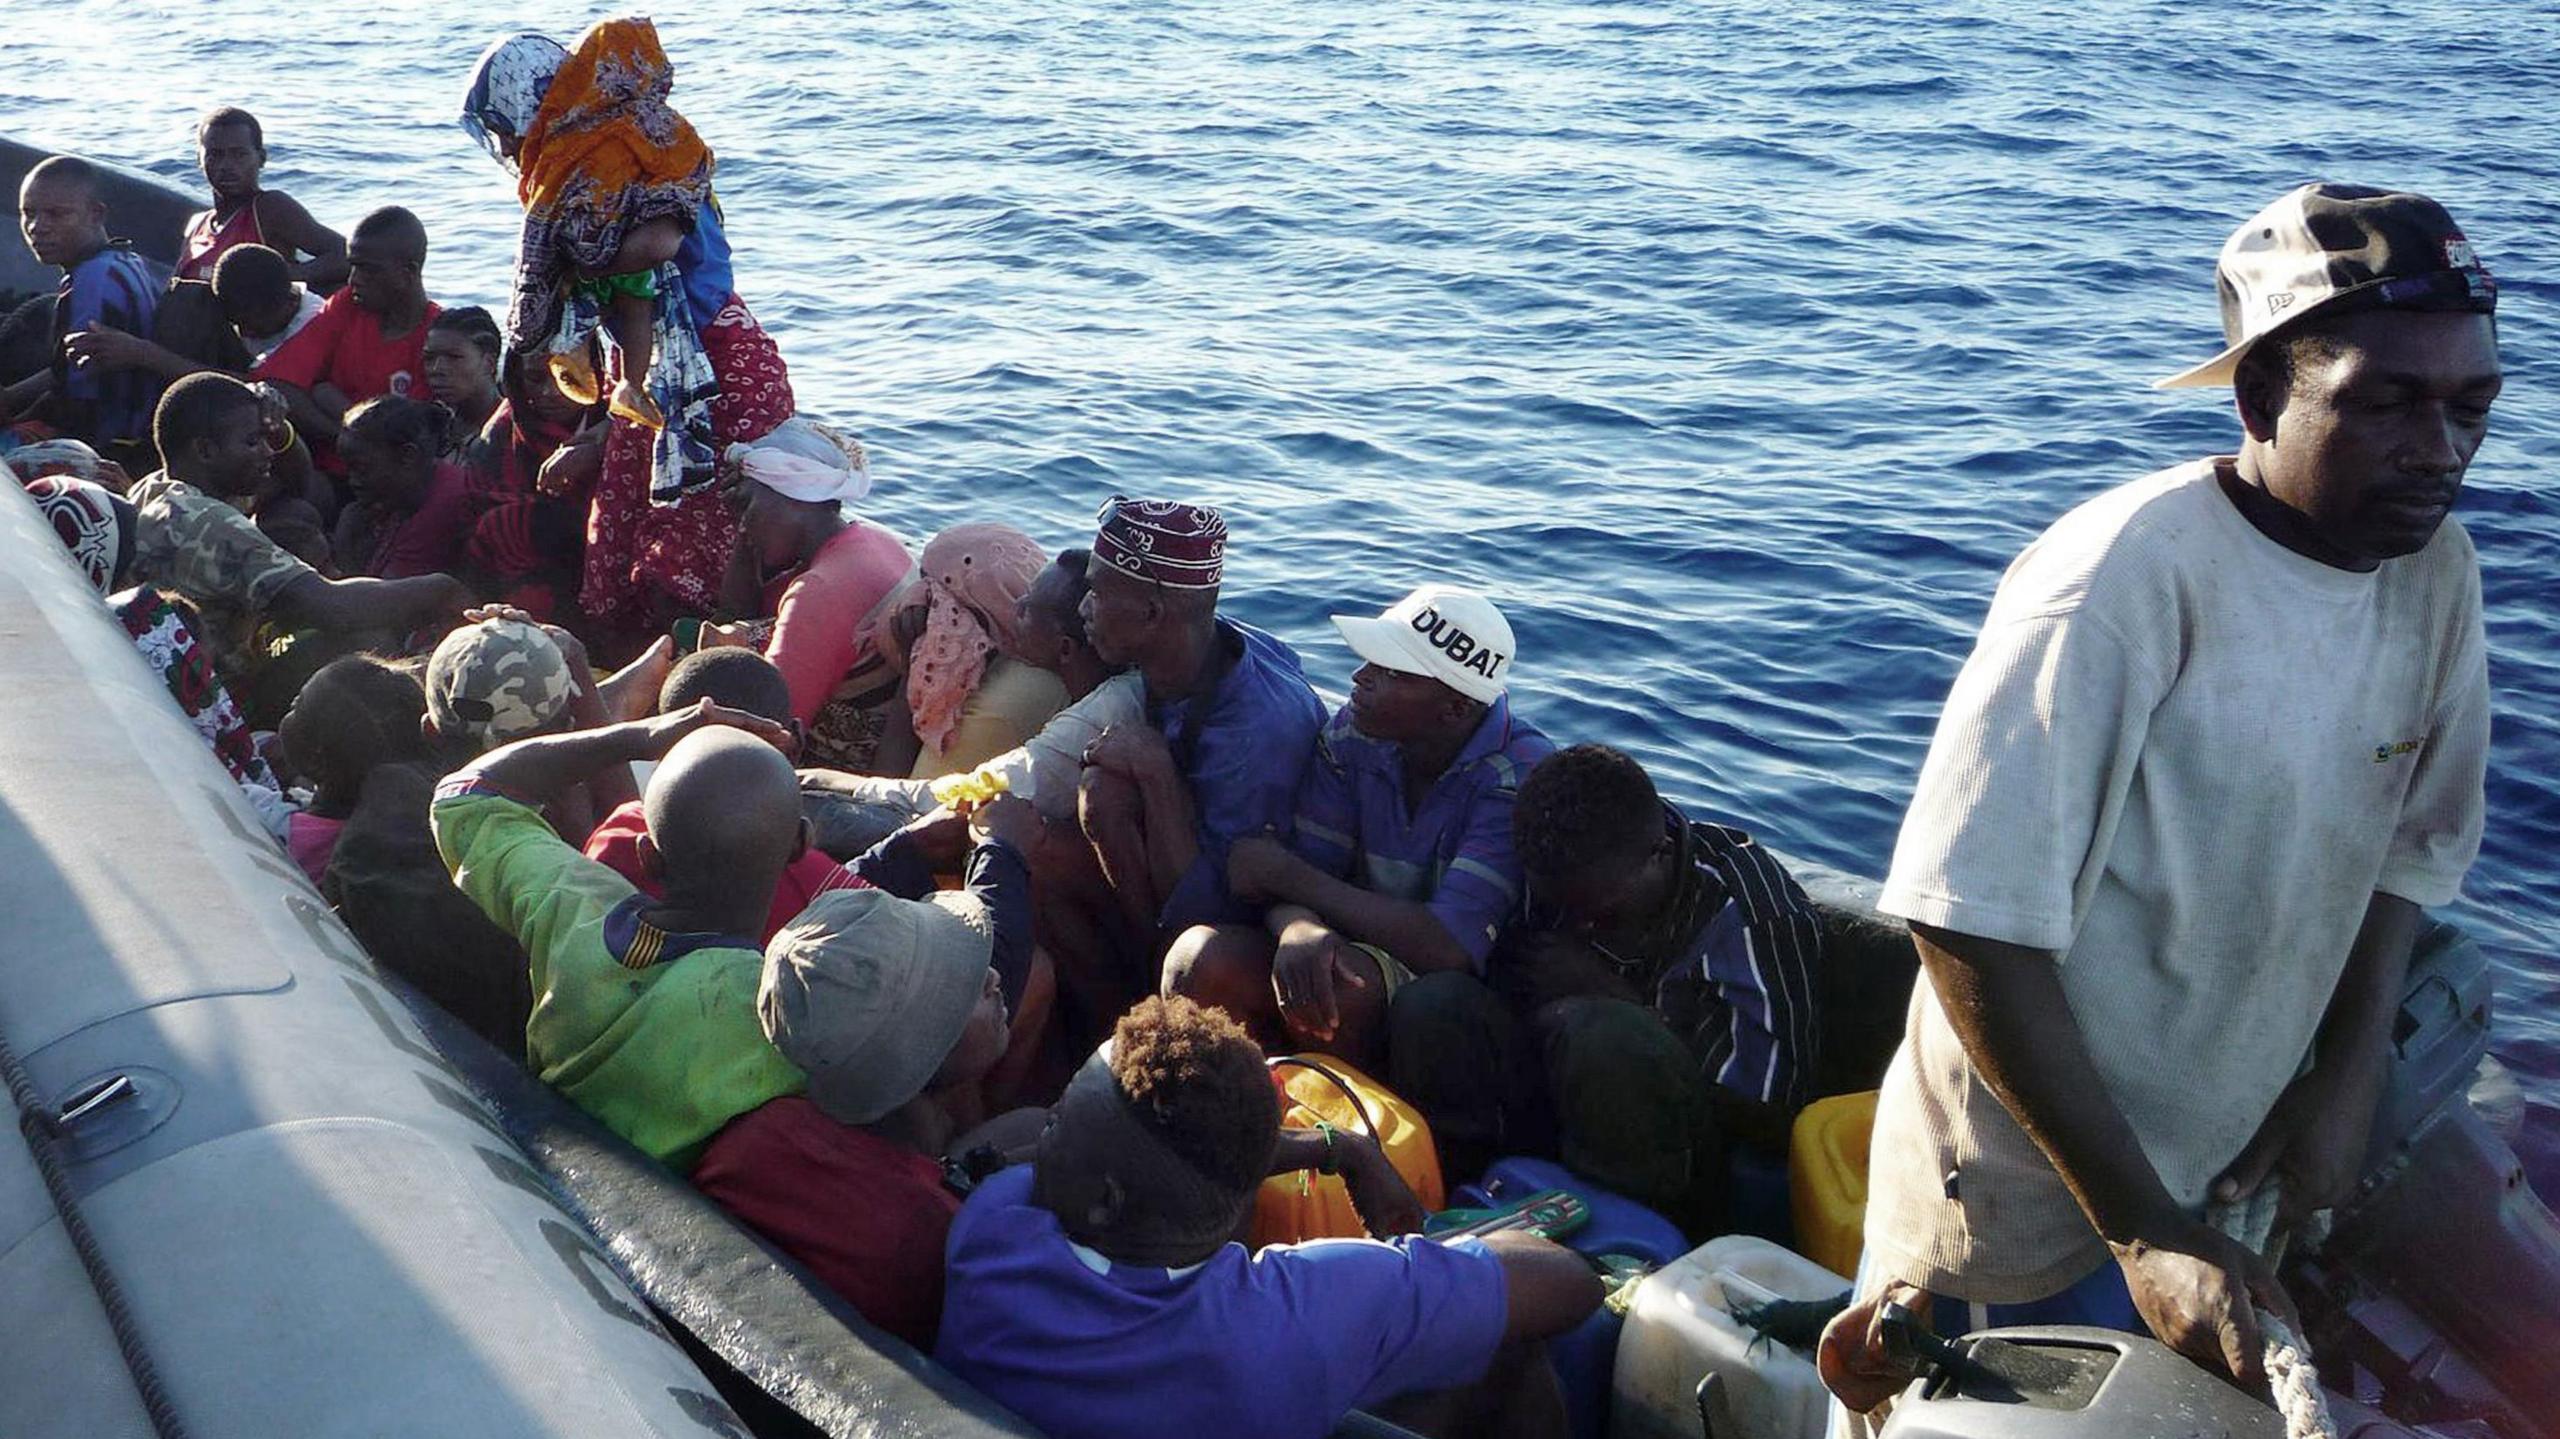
{"type": "Point", "coordinates": [867, 1216]}
{"type": "Point", "coordinates": [343, 346]}
{"type": "Point", "coordinates": [615, 844]}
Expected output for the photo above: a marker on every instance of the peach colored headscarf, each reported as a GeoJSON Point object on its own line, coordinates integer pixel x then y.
{"type": "Point", "coordinates": [968, 581]}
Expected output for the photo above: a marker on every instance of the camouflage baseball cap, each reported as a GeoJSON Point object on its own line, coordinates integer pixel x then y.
{"type": "Point", "coordinates": [2319, 246]}
{"type": "Point", "coordinates": [496, 681]}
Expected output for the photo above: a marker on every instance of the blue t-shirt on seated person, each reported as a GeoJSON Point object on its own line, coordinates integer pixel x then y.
{"type": "Point", "coordinates": [1278, 1344]}
{"type": "Point", "coordinates": [1241, 749]}
{"type": "Point", "coordinates": [1451, 852]}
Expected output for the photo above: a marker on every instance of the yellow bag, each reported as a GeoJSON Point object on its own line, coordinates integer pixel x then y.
{"type": "Point", "coordinates": [1309, 1205]}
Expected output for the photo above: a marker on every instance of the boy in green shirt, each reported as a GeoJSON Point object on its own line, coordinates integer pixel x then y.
{"type": "Point", "coordinates": [644, 1011]}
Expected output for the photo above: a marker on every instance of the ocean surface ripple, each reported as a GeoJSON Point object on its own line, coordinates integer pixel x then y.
{"type": "Point", "coordinates": [1736, 348]}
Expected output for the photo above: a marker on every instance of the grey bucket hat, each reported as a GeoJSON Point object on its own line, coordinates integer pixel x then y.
{"type": "Point", "coordinates": [867, 993]}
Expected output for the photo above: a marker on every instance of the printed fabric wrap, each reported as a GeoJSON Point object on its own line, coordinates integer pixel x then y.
{"type": "Point", "coordinates": [682, 457]}
{"type": "Point", "coordinates": [647, 562]}
{"type": "Point", "coordinates": [169, 645]}
{"type": "Point", "coordinates": [605, 155]}
{"type": "Point", "coordinates": [971, 576]}
{"type": "Point", "coordinates": [507, 89]}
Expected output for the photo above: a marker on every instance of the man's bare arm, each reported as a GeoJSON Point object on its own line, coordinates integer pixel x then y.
{"type": "Point", "coordinates": [2193, 1286]}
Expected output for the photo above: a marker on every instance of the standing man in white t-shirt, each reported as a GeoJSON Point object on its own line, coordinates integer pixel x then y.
{"type": "Point", "coordinates": [2222, 735]}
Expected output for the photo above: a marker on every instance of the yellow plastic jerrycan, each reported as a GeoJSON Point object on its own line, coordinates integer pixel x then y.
{"type": "Point", "coordinates": [1308, 1205]}
{"type": "Point", "coordinates": [1827, 1178]}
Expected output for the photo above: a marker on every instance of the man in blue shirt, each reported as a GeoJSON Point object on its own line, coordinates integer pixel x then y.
{"type": "Point", "coordinates": [1399, 859]}
{"type": "Point", "coordinates": [1230, 723]}
{"type": "Point", "coordinates": [1097, 1291]}
{"type": "Point", "coordinates": [103, 284]}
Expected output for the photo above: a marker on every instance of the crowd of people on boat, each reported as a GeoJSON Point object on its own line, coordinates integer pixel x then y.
{"type": "Point", "coordinates": [936, 907]}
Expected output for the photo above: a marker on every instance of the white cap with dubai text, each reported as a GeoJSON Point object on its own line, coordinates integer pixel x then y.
{"type": "Point", "coordinates": [1454, 636]}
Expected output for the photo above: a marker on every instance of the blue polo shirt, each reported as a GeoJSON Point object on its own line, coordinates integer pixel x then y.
{"type": "Point", "coordinates": [1242, 748]}
{"type": "Point", "coordinates": [1452, 852]}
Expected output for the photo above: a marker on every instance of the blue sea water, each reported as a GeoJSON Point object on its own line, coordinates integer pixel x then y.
{"type": "Point", "coordinates": [1735, 347]}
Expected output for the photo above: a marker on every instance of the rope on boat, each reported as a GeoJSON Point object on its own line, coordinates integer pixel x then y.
{"type": "Point", "coordinates": [2293, 1382]}
{"type": "Point", "coordinates": [43, 1132]}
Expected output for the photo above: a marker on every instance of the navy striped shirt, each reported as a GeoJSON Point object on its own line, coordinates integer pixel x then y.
{"type": "Point", "coordinates": [111, 287]}
{"type": "Point", "coordinates": [1738, 984]}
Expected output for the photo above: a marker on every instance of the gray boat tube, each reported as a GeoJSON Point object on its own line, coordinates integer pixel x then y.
{"type": "Point", "coordinates": [318, 1223]}
{"type": "Point", "coordinates": [312, 1220]}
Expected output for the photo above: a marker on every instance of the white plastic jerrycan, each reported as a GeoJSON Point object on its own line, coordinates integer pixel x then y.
{"type": "Point", "coordinates": [1679, 1331]}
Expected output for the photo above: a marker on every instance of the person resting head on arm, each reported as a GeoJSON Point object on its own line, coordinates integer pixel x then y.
{"type": "Point", "coordinates": [644, 1010]}
{"type": "Point", "coordinates": [218, 445]}
{"type": "Point", "coordinates": [257, 294]}
{"type": "Point", "coordinates": [1103, 1293]}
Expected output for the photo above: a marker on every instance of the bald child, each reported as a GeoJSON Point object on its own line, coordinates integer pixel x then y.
{"type": "Point", "coordinates": [644, 1009]}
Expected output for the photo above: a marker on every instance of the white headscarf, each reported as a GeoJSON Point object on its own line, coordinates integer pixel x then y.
{"type": "Point", "coordinates": [507, 88]}
{"type": "Point", "coordinates": [805, 460]}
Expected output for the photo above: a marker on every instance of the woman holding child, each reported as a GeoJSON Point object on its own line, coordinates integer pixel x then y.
{"type": "Point", "coordinates": [623, 251]}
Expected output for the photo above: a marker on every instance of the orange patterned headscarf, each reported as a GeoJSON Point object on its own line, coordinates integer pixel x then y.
{"type": "Point", "coordinates": [604, 155]}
